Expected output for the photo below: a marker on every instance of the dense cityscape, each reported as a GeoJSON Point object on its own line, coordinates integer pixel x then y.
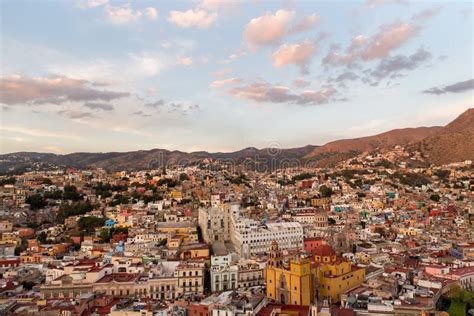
{"type": "Point", "coordinates": [236, 158]}
{"type": "Point", "coordinates": [366, 237]}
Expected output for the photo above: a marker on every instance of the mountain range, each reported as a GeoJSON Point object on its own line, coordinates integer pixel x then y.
{"type": "Point", "coordinates": [439, 145]}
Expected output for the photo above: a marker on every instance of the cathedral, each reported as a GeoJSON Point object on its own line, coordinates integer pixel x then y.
{"type": "Point", "coordinates": [298, 281]}
{"type": "Point", "coordinates": [340, 237]}
{"type": "Point", "coordinates": [289, 282]}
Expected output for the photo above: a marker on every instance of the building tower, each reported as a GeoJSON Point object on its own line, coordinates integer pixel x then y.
{"type": "Point", "coordinates": [320, 222]}
{"type": "Point", "coordinates": [275, 260]}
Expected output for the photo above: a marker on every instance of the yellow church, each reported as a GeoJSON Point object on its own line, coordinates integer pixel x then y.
{"type": "Point", "coordinates": [302, 281]}
{"type": "Point", "coordinates": [289, 285]}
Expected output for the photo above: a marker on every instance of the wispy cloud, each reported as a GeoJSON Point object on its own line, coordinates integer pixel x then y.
{"type": "Point", "coordinates": [54, 90]}
{"type": "Point", "coordinates": [75, 114]}
{"type": "Point", "coordinates": [267, 93]}
{"type": "Point", "coordinates": [99, 106]}
{"type": "Point", "coordinates": [38, 132]}
{"type": "Point", "coordinates": [300, 83]}
{"type": "Point", "coordinates": [87, 4]}
{"type": "Point", "coordinates": [387, 39]}
{"type": "Point", "coordinates": [457, 87]}
{"type": "Point", "coordinates": [192, 18]}
{"type": "Point", "coordinates": [427, 14]}
{"type": "Point", "coordinates": [155, 104]}
{"type": "Point", "coordinates": [224, 82]}
{"type": "Point", "coordinates": [392, 66]}
{"type": "Point", "coordinates": [126, 14]}
{"type": "Point", "coordinates": [141, 113]}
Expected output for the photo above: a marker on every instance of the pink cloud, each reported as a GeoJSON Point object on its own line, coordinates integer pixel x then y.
{"type": "Point", "coordinates": [152, 13]}
{"type": "Point", "coordinates": [223, 82]}
{"type": "Point", "coordinates": [218, 5]}
{"type": "Point", "coordinates": [186, 61]}
{"type": "Point", "coordinates": [54, 90]}
{"type": "Point", "coordinates": [270, 28]}
{"type": "Point", "coordinates": [122, 14]}
{"type": "Point", "coordinates": [388, 39]}
{"type": "Point", "coordinates": [300, 83]}
{"type": "Point", "coordinates": [306, 23]}
{"type": "Point", "coordinates": [297, 54]}
{"type": "Point", "coordinates": [267, 93]}
{"type": "Point", "coordinates": [192, 18]}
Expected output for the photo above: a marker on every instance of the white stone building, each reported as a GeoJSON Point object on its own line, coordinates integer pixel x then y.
{"type": "Point", "coordinates": [251, 237]}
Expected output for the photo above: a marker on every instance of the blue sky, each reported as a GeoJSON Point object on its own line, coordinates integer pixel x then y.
{"type": "Point", "coordinates": [98, 75]}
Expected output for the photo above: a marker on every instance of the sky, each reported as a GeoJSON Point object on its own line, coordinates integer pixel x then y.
{"type": "Point", "coordinates": [215, 75]}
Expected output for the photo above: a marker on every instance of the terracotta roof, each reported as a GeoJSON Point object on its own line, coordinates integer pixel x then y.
{"type": "Point", "coordinates": [118, 277]}
{"type": "Point", "coordinates": [267, 310]}
{"type": "Point", "coordinates": [324, 251]}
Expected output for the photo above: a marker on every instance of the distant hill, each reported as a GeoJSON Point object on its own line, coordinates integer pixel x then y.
{"type": "Point", "coordinates": [253, 158]}
{"type": "Point", "coordinates": [453, 143]}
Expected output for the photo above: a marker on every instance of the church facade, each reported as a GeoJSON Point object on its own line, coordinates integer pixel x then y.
{"type": "Point", "coordinates": [291, 284]}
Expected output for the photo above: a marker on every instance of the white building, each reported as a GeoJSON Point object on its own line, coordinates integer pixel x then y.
{"type": "Point", "coordinates": [250, 237]}
{"type": "Point", "coordinates": [224, 278]}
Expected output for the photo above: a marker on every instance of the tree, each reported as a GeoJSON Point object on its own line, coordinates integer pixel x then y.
{"type": "Point", "coordinates": [303, 176]}
{"type": "Point", "coordinates": [119, 199]}
{"type": "Point", "coordinates": [90, 223]}
{"type": "Point", "coordinates": [36, 201]}
{"type": "Point", "coordinates": [10, 180]}
{"type": "Point", "coordinates": [105, 235]}
{"type": "Point", "coordinates": [434, 197]}
{"type": "Point", "coordinates": [47, 181]}
{"type": "Point", "coordinates": [325, 191]}
{"type": "Point", "coordinates": [413, 179]}
{"type": "Point", "coordinates": [55, 195]}
{"type": "Point", "coordinates": [28, 285]}
{"type": "Point", "coordinates": [78, 208]}
{"type": "Point", "coordinates": [163, 242]}
{"type": "Point", "coordinates": [442, 173]}
{"type": "Point", "coordinates": [360, 194]}
{"type": "Point", "coordinates": [381, 231]}
{"type": "Point", "coordinates": [104, 190]}
{"type": "Point", "coordinates": [70, 193]}
{"type": "Point", "coordinates": [331, 221]}
{"type": "Point", "coordinates": [42, 237]}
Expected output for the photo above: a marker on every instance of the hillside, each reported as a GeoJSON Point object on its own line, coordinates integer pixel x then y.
{"type": "Point", "coordinates": [453, 143]}
{"type": "Point", "coordinates": [338, 150]}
